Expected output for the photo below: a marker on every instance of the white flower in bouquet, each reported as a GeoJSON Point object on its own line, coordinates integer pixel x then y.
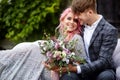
{"type": "Point", "coordinates": [72, 54]}
{"type": "Point", "coordinates": [57, 54]}
{"type": "Point", "coordinates": [63, 54]}
{"type": "Point", "coordinates": [66, 60]}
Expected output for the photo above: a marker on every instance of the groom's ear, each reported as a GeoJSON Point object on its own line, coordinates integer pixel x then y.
{"type": "Point", "coordinates": [90, 12]}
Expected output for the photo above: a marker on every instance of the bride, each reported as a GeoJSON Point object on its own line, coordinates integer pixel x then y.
{"type": "Point", "coordinates": [24, 61]}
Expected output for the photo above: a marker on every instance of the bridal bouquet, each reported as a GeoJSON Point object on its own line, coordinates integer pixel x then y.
{"type": "Point", "coordinates": [60, 53]}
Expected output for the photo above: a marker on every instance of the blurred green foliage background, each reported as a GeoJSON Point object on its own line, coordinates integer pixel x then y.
{"type": "Point", "coordinates": [29, 20]}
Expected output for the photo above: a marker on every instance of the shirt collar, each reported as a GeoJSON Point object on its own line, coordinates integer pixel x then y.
{"type": "Point", "coordinates": [94, 25]}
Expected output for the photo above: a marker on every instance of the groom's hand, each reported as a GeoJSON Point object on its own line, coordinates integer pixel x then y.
{"type": "Point", "coordinates": [70, 68]}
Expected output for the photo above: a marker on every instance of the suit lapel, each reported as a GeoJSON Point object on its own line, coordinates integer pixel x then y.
{"type": "Point", "coordinates": [97, 30]}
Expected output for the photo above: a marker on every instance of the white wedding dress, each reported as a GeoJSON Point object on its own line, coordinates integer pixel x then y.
{"type": "Point", "coordinates": [24, 61]}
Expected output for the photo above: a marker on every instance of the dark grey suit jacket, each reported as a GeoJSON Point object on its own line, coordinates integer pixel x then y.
{"type": "Point", "coordinates": [102, 45]}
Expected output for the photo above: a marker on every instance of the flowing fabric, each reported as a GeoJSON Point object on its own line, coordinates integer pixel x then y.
{"type": "Point", "coordinates": [23, 62]}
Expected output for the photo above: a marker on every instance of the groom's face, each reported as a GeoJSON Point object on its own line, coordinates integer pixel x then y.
{"type": "Point", "coordinates": [84, 17]}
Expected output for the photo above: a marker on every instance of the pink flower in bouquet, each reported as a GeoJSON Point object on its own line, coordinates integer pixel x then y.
{"type": "Point", "coordinates": [67, 51]}
{"type": "Point", "coordinates": [57, 45]}
{"type": "Point", "coordinates": [49, 54]}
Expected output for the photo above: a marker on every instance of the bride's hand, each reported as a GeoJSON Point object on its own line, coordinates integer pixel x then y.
{"type": "Point", "coordinates": [48, 66]}
{"type": "Point", "coordinates": [70, 67]}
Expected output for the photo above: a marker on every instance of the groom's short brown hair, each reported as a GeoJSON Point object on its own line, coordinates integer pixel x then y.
{"type": "Point", "coordinates": [79, 6]}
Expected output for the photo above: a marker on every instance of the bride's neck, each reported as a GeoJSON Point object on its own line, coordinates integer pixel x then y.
{"type": "Point", "coordinates": [68, 37]}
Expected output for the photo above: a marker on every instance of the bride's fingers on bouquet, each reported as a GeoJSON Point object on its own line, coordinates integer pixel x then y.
{"type": "Point", "coordinates": [46, 65]}
{"type": "Point", "coordinates": [63, 70]}
{"type": "Point", "coordinates": [56, 69]}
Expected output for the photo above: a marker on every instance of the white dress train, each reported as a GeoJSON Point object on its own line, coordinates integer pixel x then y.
{"type": "Point", "coordinates": [23, 62]}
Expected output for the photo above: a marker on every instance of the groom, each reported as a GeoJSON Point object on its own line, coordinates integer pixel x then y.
{"type": "Point", "coordinates": [100, 39]}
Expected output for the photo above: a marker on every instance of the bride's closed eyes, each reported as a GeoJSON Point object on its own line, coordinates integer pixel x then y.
{"type": "Point", "coordinates": [74, 20]}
